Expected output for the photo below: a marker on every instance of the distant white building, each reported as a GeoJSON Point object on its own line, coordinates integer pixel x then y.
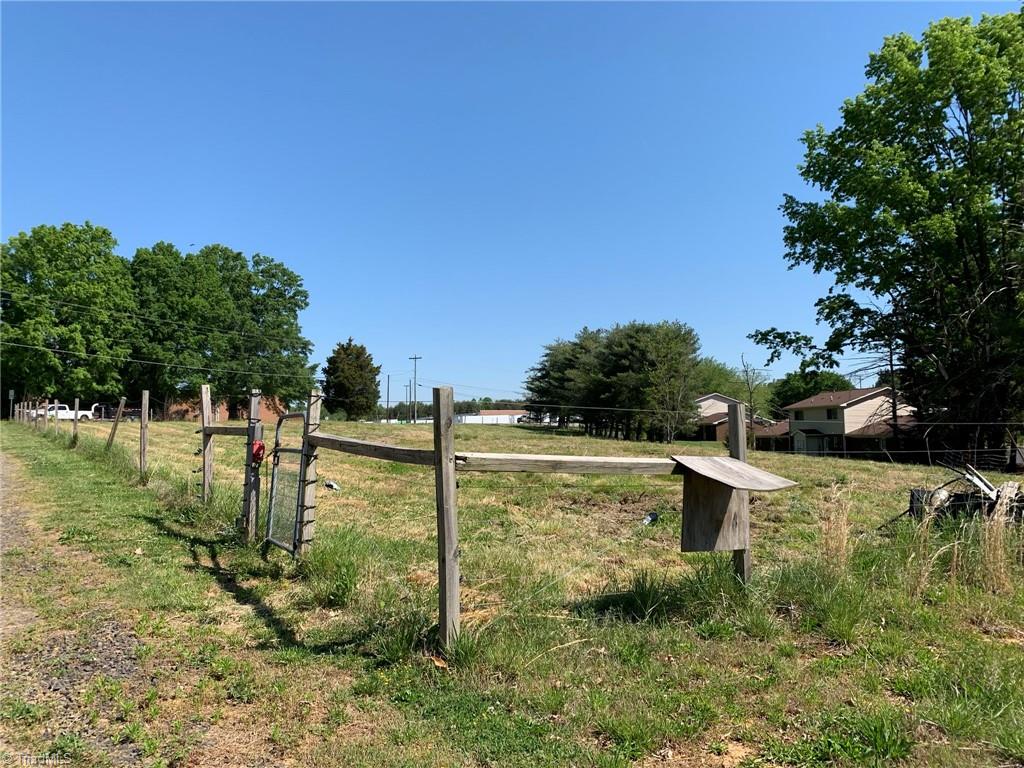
{"type": "Point", "coordinates": [502, 416]}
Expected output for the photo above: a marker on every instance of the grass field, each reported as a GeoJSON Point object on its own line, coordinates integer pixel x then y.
{"type": "Point", "coordinates": [588, 638]}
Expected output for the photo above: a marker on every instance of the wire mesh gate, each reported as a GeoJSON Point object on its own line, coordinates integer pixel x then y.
{"type": "Point", "coordinates": [286, 484]}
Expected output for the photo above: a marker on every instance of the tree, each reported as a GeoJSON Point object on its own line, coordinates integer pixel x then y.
{"type": "Point", "coordinates": [249, 329]}
{"type": "Point", "coordinates": [799, 385]}
{"type": "Point", "coordinates": [71, 308]}
{"type": "Point", "coordinates": [754, 380]}
{"type": "Point", "coordinates": [165, 332]}
{"type": "Point", "coordinates": [351, 380]}
{"type": "Point", "coordinates": [674, 384]}
{"type": "Point", "coordinates": [922, 223]}
{"type": "Point", "coordinates": [634, 381]}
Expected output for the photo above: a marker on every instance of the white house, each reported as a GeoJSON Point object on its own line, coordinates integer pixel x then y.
{"type": "Point", "coordinates": [713, 416]}
{"type": "Point", "coordinates": [825, 422]}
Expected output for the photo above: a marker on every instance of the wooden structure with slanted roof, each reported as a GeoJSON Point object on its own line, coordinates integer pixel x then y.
{"type": "Point", "coordinates": [716, 511]}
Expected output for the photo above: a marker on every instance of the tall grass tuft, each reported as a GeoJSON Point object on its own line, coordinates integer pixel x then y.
{"type": "Point", "coordinates": [331, 568]}
{"type": "Point", "coordinates": [994, 555]}
{"type": "Point", "coordinates": [835, 529]}
{"type": "Point", "coordinates": [924, 555]}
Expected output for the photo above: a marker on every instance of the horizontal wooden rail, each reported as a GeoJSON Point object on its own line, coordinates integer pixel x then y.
{"type": "Point", "coordinates": [224, 429]}
{"type": "Point", "coordinates": [578, 465]}
{"type": "Point", "coordinates": [420, 456]}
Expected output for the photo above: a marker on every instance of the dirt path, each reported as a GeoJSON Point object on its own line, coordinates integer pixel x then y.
{"type": "Point", "coordinates": [51, 667]}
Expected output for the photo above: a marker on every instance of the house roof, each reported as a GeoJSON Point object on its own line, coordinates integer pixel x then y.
{"type": "Point", "coordinates": [716, 394]}
{"type": "Point", "coordinates": [778, 429]}
{"type": "Point", "coordinates": [502, 412]}
{"type": "Point", "coordinates": [841, 398]}
{"type": "Point", "coordinates": [714, 418]}
{"type": "Point", "coordinates": [882, 428]}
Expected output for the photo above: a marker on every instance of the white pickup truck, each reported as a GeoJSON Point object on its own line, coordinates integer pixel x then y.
{"type": "Point", "coordinates": [64, 413]}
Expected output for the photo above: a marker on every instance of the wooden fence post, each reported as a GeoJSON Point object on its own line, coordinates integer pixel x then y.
{"type": "Point", "coordinates": [144, 436]}
{"type": "Point", "coordinates": [46, 415]}
{"type": "Point", "coordinates": [74, 425]}
{"type": "Point", "coordinates": [447, 516]}
{"type": "Point", "coordinates": [56, 416]}
{"type": "Point", "coordinates": [206, 417]}
{"type": "Point", "coordinates": [250, 488]}
{"type": "Point", "coordinates": [738, 450]}
{"type": "Point", "coordinates": [117, 420]}
{"type": "Point", "coordinates": [306, 518]}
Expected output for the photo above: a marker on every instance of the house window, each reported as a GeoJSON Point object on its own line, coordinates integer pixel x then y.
{"type": "Point", "coordinates": [798, 415]}
{"type": "Point", "coordinates": [832, 414]}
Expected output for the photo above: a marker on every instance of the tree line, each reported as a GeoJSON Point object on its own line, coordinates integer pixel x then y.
{"type": "Point", "coordinates": [79, 320]}
{"type": "Point", "coordinates": [636, 381]}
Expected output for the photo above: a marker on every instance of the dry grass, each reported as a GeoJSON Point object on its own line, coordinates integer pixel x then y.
{"type": "Point", "coordinates": [835, 528]}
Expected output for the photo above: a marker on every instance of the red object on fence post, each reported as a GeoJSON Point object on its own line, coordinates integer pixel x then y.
{"type": "Point", "coordinates": [250, 485]}
{"type": "Point", "coordinates": [306, 517]}
{"type": "Point", "coordinates": [447, 516]}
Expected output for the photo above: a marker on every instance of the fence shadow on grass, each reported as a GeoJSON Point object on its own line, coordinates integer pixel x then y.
{"type": "Point", "coordinates": [207, 552]}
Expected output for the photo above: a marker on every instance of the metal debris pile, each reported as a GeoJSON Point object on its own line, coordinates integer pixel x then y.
{"type": "Point", "coordinates": [969, 494]}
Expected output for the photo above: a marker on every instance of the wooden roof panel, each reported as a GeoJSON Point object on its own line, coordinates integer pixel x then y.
{"type": "Point", "coordinates": [734, 473]}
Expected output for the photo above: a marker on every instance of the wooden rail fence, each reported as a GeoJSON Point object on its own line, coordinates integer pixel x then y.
{"type": "Point", "coordinates": [718, 514]}
{"type": "Point", "coordinates": [716, 499]}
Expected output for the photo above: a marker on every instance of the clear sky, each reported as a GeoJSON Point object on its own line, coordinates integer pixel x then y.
{"type": "Point", "coordinates": [466, 182]}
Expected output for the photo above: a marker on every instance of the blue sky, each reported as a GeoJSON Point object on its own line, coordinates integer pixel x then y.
{"type": "Point", "coordinates": [466, 182]}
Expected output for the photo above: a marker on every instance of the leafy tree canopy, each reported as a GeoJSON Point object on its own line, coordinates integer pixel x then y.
{"type": "Point", "coordinates": [164, 321]}
{"type": "Point", "coordinates": [71, 306]}
{"type": "Point", "coordinates": [922, 221]}
{"type": "Point", "coordinates": [636, 380]}
{"type": "Point", "coordinates": [351, 380]}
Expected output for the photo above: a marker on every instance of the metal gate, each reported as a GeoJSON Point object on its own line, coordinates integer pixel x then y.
{"type": "Point", "coordinates": [286, 485]}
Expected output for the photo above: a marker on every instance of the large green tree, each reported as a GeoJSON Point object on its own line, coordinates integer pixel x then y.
{"type": "Point", "coordinates": [636, 380]}
{"type": "Point", "coordinates": [70, 319]}
{"type": "Point", "coordinates": [351, 380]}
{"type": "Point", "coordinates": [921, 222]}
{"type": "Point", "coordinates": [216, 317]}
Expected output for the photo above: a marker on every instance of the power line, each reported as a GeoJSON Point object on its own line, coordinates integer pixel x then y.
{"type": "Point", "coordinates": [151, 362]}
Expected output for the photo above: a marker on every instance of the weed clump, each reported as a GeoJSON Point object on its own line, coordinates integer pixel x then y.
{"type": "Point", "coordinates": [330, 569]}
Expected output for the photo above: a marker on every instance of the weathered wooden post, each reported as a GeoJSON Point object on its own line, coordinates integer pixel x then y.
{"type": "Point", "coordinates": [738, 450]}
{"type": "Point", "coordinates": [716, 498]}
{"type": "Point", "coordinates": [46, 415]}
{"type": "Point", "coordinates": [56, 416]}
{"type": "Point", "coordinates": [447, 516]}
{"type": "Point", "coordinates": [250, 487]}
{"type": "Point", "coordinates": [117, 420]}
{"type": "Point", "coordinates": [74, 425]}
{"type": "Point", "coordinates": [143, 436]}
{"type": "Point", "coordinates": [206, 417]}
{"type": "Point", "coordinates": [306, 516]}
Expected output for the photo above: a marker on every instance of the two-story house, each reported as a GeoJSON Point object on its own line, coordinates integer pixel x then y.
{"type": "Point", "coordinates": [829, 421]}
{"type": "Point", "coordinates": [713, 416]}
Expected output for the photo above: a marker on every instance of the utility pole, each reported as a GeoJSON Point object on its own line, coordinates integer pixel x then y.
{"type": "Point", "coordinates": [408, 405]}
{"type": "Point", "coordinates": [415, 394]}
{"type": "Point", "coordinates": [387, 408]}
